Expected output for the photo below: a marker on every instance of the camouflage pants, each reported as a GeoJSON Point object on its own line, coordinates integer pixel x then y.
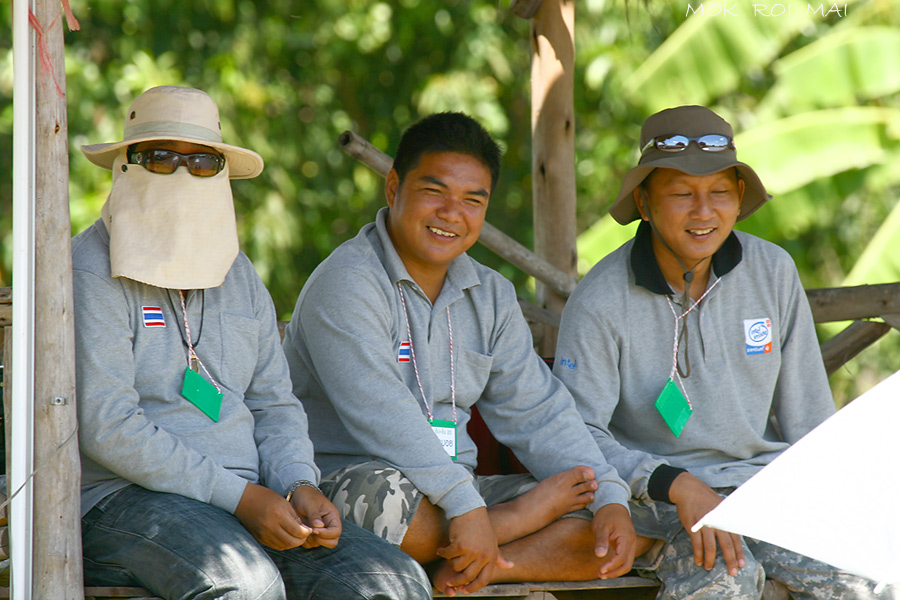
{"type": "Point", "coordinates": [377, 497]}
{"type": "Point", "coordinates": [672, 562]}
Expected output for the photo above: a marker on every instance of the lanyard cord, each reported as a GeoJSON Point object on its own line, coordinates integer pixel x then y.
{"type": "Point", "coordinates": [688, 276]}
{"type": "Point", "coordinates": [202, 313]}
{"type": "Point", "coordinates": [412, 353]}
{"type": "Point", "coordinates": [676, 372]}
{"type": "Point", "coordinates": [192, 355]}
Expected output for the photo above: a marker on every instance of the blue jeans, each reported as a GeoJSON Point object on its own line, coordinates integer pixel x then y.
{"type": "Point", "coordinates": [177, 547]}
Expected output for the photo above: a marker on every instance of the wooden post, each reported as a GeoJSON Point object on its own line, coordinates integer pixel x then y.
{"type": "Point", "coordinates": [6, 339]}
{"type": "Point", "coordinates": [553, 147]}
{"type": "Point", "coordinates": [57, 564]}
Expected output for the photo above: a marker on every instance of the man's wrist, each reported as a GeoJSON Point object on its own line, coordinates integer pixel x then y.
{"type": "Point", "coordinates": [300, 483]}
{"type": "Point", "coordinates": [660, 482]}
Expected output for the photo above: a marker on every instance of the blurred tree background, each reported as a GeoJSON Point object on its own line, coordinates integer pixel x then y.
{"type": "Point", "coordinates": [814, 94]}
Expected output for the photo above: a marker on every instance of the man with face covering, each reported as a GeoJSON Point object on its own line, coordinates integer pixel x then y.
{"type": "Point", "coordinates": [677, 348]}
{"type": "Point", "coordinates": [198, 478]}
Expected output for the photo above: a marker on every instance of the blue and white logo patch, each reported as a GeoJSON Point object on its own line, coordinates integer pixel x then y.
{"type": "Point", "coordinates": [758, 335]}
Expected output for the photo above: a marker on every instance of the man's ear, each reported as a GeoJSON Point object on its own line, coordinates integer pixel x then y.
{"type": "Point", "coordinates": [391, 185]}
{"type": "Point", "coordinates": [639, 202]}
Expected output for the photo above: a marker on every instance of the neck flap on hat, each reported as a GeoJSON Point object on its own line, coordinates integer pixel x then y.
{"type": "Point", "coordinates": [171, 231]}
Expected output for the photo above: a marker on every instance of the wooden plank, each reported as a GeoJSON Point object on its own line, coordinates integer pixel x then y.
{"type": "Point", "coordinates": [105, 593]}
{"type": "Point", "coordinates": [595, 588]}
{"type": "Point", "coordinates": [593, 584]}
{"type": "Point", "coordinates": [491, 237]}
{"type": "Point", "coordinates": [553, 148]}
{"type": "Point", "coordinates": [850, 342]}
{"type": "Point", "coordinates": [498, 590]}
{"type": "Point", "coordinates": [57, 564]}
{"type": "Point", "coordinates": [854, 302]}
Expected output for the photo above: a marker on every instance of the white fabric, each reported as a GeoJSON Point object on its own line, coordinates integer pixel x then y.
{"type": "Point", "coordinates": [832, 495]}
{"type": "Point", "coordinates": [172, 231]}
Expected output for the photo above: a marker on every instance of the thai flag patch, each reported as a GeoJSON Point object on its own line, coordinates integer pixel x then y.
{"type": "Point", "coordinates": [403, 352]}
{"type": "Point", "coordinates": [153, 316]}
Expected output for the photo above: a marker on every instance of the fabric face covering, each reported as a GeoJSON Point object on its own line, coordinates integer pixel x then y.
{"type": "Point", "coordinates": [172, 231]}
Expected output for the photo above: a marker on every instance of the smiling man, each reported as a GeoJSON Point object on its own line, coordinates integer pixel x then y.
{"type": "Point", "coordinates": [396, 336]}
{"type": "Point", "coordinates": [679, 346]}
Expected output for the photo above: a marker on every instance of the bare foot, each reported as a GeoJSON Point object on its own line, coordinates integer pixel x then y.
{"type": "Point", "coordinates": [549, 500]}
{"type": "Point", "coordinates": [441, 575]}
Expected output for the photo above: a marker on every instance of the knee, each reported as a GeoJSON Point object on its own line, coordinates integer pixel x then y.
{"type": "Point", "coordinates": [369, 568]}
{"type": "Point", "coordinates": [402, 579]}
{"type": "Point", "coordinates": [700, 584]}
{"type": "Point", "coordinates": [239, 575]}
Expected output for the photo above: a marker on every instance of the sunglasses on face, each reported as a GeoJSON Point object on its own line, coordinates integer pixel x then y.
{"type": "Point", "coordinates": [711, 142]}
{"type": "Point", "coordinates": [164, 162]}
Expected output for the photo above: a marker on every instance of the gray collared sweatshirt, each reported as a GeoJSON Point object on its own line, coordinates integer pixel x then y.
{"type": "Point", "coordinates": [345, 347]}
{"type": "Point", "coordinates": [136, 427]}
{"type": "Point", "coordinates": [753, 351]}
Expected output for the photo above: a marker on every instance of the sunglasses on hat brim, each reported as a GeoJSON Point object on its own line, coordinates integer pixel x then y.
{"type": "Point", "coordinates": [711, 142]}
{"type": "Point", "coordinates": [165, 162]}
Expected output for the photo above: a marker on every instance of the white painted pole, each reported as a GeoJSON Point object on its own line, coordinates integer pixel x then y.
{"type": "Point", "coordinates": [22, 451]}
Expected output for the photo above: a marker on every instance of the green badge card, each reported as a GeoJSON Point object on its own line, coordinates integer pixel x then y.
{"type": "Point", "coordinates": [673, 407]}
{"type": "Point", "coordinates": [202, 394]}
{"type": "Point", "coordinates": [446, 433]}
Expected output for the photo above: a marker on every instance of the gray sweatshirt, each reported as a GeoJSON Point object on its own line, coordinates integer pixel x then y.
{"type": "Point", "coordinates": [136, 427]}
{"type": "Point", "coordinates": [344, 350]}
{"type": "Point", "coordinates": [615, 354]}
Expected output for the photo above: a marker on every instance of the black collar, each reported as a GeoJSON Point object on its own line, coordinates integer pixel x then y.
{"type": "Point", "coordinates": [647, 273]}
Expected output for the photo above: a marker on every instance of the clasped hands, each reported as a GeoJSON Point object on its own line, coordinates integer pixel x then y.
{"type": "Point", "coordinates": [309, 519]}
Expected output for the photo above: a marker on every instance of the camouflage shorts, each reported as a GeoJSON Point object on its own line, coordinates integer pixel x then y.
{"type": "Point", "coordinates": [379, 498]}
{"type": "Point", "coordinates": [671, 561]}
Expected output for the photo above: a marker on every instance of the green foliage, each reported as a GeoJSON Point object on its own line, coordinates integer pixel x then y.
{"type": "Point", "coordinates": [288, 79]}
{"type": "Point", "coordinates": [814, 97]}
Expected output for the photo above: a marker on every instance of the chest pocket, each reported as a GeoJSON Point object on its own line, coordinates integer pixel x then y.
{"type": "Point", "coordinates": [473, 370]}
{"type": "Point", "coordinates": [240, 350]}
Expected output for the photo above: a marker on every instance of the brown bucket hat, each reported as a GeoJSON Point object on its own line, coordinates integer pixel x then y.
{"type": "Point", "coordinates": [176, 113]}
{"type": "Point", "coordinates": [693, 122]}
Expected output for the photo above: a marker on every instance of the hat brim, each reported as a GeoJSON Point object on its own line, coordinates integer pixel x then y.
{"type": "Point", "coordinates": [242, 163]}
{"type": "Point", "coordinates": [693, 162]}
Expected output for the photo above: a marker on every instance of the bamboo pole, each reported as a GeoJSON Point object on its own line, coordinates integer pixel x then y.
{"type": "Point", "coordinates": [57, 571]}
{"type": "Point", "coordinates": [858, 336]}
{"type": "Point", "coordinates": [857, 302]}
{"type": "Point", "coordinates": [553, 147]}
{"type": "Point", "coordinates": [492, 238]}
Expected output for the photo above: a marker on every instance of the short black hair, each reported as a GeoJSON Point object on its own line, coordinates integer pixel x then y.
{"type": "Point", "coordinates": [447, 132]}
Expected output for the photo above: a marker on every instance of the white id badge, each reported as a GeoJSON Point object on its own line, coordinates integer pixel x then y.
{"type": "Point", "coordinates": [446, 433]}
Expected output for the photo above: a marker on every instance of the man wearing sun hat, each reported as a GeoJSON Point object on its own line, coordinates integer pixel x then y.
{"type": "Point", "coordinates": [679, 346]}
{"type": "Point", "coordinates": [198, 477]}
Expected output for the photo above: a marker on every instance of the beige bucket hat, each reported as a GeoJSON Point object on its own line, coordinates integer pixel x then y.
{"type": "Point", "coordinates": [690, 121]}
{"type": "Point", "coordinates": [176, 113]}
